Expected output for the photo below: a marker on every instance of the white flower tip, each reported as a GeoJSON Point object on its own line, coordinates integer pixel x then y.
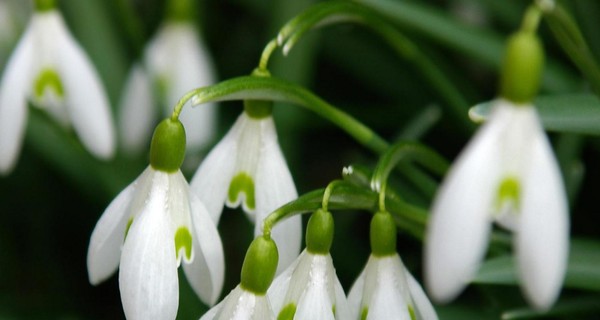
{"type": "Point", "coordinates": [287, 48]}
{"type": "Point", "coordinates": [346, 171]}
{"type": "Point", "coordinates": [280, 39]}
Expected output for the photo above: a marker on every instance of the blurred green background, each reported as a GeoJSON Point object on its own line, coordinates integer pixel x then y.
{"type": "Point", "coordinates": [50, 204]}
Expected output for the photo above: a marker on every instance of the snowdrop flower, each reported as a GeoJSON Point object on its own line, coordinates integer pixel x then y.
{"type": "Point", "coordinates": [152, 225]}
{"type": "Point", "coordinates": [249, 300]}
{"type": "Point", "coordinates": [309, 288]}
{"type": "Point", "coordinates": [49, 68]}
{"type": "Point", "coordinates": [385, 290]}
{"type": "Point", "coordinates": [247, 167]}
{"type": "Point", "coordinates": [175, 62]}
{"type": "Point", "coordinates": [506, 174]}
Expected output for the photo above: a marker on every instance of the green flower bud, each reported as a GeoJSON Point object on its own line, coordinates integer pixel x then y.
{"type": "Point", "coordinates": [168, 146]}
{"type": "Point", "coordinates": [259, 265]}
{"type": "Point", "coordinates": [259, 109]}
{"type": "Point", "coordinates": [44, 5]}
{"type": "Point", "coordinates": [383, 234]}
{"type": "Point", "coordinates": [522, 67]}
{"type": "Point", "coordinates": [319, 232]}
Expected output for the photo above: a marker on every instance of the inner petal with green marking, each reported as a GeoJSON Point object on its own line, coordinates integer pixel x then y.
{"type": "Point", "coordinates": [183, 239]}
{"type": "Point", "coordinates": [364, 313]}
{"type": "Point", "coordinates": [48, 79]}
{"type": "Point", "coordinates": [242, 184]}
{"type": "Point", "coordinates": [287, 313]}
{"type": "Point", "coordinates": [508, 194]}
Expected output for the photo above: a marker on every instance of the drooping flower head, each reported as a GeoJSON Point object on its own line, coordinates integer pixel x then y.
{"type": "Point", "coordinates": [309, 288]}
{"type": "Point", "coordinates": [247, 167]}
{"type": "Point", "coordinates": [507, 174]}
{"type": "Point", "coordinates": [175, 62]}
{"type": "Point", "coordinates": [50, 69]}
{"type": "Point", "coordinates": [385, 290]}
{"type": "Point", "coordinates": [249, 299]}
{"type": "Point", "coordinates": [150, 228]}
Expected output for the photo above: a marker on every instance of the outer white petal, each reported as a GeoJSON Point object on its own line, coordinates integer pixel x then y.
{"type": "Point", "coordinates": [315, 302]}
{"type": "Point", "coordinates": [212, 179]}
{"type": "Point", "coordinates": [84, 94]}
{"type": "Point", "coordinates": [14, 87]}
{"type": "Point", "coordinates": [543, 237]}
{"type": "Point", "coordinates": [241, 305]}
{"type": "Point", "coordinates": [423, 306]}
{"type": "Point", "coordinates": [207, 272]}
{"type": "Point", "coordinates": [104, 250]}
{"type": "Point", "coordinates": [342, 306]}
{"type": "Point", "coordinates": [137, 113]}
{"type": "Point", "coordinates": [385, 291]}
{"type": "Point", "coordinates": [148, 270]}
{"type": "Point", "coordinates": [274, 188]}
{"type": "Point", "coordinates": [279, 287]}
{"type": "Point", "coordinates": [356, 294]}
{"type": "Point", "coordinates": [309, 288]}
{"type": "Point", "coordinates": [461, 214]}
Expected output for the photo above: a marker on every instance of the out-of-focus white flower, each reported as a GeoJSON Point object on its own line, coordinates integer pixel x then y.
{"type": "Point", "coordinates": [49, 68]}
{"type": "Point", "coordinates": [248, 168]}
{"type": "Point", "coordinates": [385, 290]}
{"type": "Point", "coordinates": [506, 174]}
{"type": "Point", "coordinates": [175, 62]}
{"type": "Point", "coordinates": [241, 304]}
{"type": "Point", "coordinates": [309, 289]}
{"type": "Point", "coordinates": [161, 223]}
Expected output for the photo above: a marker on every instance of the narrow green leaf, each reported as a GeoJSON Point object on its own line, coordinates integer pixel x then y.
{"type": "Point", "coordinates": [582, 270]}
{"type": "Point", "coordinates": [582, 305]}
{"type": "Point", "coordinates": [575, 113]}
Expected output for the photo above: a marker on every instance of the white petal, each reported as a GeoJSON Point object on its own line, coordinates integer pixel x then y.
{"type": "Point", "coordinates": [423, 306]}
{"type": "Point", "coordinates": [460, 223]}
{"type": "Point", "coordinates": [137, 113]}
{"type": "Point", "coordinates": [543, 237]}
{"type": "Point", "coordinates": [211, 182]}
{"type": "Point", "coordinates": [385, 291]}
{"type": "Point", "coordinates": [342, 307]}
{"type": "Point", "coordinates": [16, 82]}
{"type": "Point", "coordinates": [279, 287]}
{"type": "Point", "coordinates": [312, 287]}
{"type": "Point", "coordinates": [243, 305]}
{"type": "Point", "coordinates": [104, 250]}
{"type": "Point", "coordinates": [315, 303]}
{"type": "Point", "coordinates": [207, 272]}
{"type": "Point", "coordinates": [274, 188]}
{"type": "Point", "coordinates": [84, 93]}
{"type": "Point", "coordinates": [356, 294]}
{"type": "Point", "coordinates": [148, 270]}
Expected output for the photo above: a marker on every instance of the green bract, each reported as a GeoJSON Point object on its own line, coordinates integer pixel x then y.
{"type": "Point", "coordinates": [522, 67]}
{"type": "Point", "coordinates": [168, 146]}
{"type": "Point", "coordinates": [319, 232]}
{"type": "Point", "coordinates": [259, 265]}
{"type": "Point", "coordinates": [44, 5]}
{"type": "Point", "coordinates": [383, 234]}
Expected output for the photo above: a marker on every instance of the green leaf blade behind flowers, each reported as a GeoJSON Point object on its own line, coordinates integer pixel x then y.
{"type": "Point", "coordinates": [582, 270]}
{"type": "Point", "coordinates": [572, 113]}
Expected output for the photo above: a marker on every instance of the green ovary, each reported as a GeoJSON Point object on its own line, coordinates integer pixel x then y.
{"type": "Point", "coordinates": [48, 79]}
{"type": "Point", "coordinates": [183, 238]}
{"type": "Point", "coordinates": [287, 313]}
{"type": "Point", "coordinates": [508, 191]}
{"type": "Point", "coordinates": [242, 183]}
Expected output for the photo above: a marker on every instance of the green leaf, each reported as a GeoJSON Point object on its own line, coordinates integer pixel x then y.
{"type": "Point", "coordinates": [582, 305]}
{"type": "Point", "coordinates": [270, 88]}
{"type": "Point", "coordinates": [574, 113]}
{"type": "Point", "coordinates": [582, 270]}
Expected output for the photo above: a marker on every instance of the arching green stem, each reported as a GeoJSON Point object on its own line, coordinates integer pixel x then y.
{"type": "Point", "coordinates": [406, 151]}
{"type": "Point", "coordinates": [184, 99]}
{"type": "Point", "coordinates": [266, 54]}
{"type": "Point", "coordinates": [271, 88]}
{"type": "Point", "coordinates": [331, 12]}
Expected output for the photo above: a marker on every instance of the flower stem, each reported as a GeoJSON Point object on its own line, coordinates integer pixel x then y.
{"type": "Point", "coordinates": [181, 103]}
{"type": "Point", "coordinates": [266, 54]}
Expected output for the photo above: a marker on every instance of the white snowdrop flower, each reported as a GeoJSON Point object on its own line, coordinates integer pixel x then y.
{"type": "Point", "coordinates": [49, 68]}
{"type": "Point", "coordinates": [150, 227]}
{"type": "Point", "coordinates": [506, 174]}
{"type": "Point", "coordinates": [385, 290]}
{"type": "Point", "coordinates": [309, 288]}
{"type": "Point", "coordinates": [247, 167]}
{"type": "Point", "coordinates": [175, 62]}
{"type": "Point", "coordinates": [249, 300]}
